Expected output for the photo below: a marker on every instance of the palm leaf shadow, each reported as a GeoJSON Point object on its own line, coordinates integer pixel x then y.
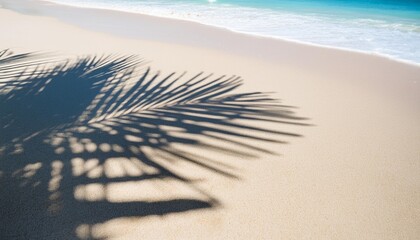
{"type": "Point", "coordinates": [71, 132]}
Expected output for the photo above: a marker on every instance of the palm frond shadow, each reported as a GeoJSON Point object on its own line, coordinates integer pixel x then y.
{"type": "Point", "coordinates": [72, 133]}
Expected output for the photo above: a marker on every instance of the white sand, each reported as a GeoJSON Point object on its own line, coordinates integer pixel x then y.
{"type": "Point", "coordinates": [354, 174]}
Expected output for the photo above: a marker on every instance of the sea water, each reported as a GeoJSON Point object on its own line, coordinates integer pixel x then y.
{"type": "Point", "coordinates": [385, 27]}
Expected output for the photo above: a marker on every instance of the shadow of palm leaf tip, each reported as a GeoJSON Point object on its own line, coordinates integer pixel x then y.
{"type": "Point", "coordinates": [73, 130]}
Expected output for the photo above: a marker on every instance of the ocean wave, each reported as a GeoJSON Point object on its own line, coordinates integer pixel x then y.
{"type": "Point", "coordinates": [395, 37]}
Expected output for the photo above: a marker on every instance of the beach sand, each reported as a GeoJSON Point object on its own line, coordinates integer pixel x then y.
{"type": "Point", "coordinates": [344, 162]}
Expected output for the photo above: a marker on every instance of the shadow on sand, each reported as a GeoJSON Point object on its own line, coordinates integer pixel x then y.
{"type": "Point", "coordinates": [93, 139]}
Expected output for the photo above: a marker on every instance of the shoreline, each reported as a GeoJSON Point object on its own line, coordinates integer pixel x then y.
{"type": "Point", "coordinates": [249, 34]}
{"type": "Point", "coordinates": [210, 28]}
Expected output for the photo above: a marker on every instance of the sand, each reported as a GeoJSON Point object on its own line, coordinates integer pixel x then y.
{"type": "Point", "coordinates": [344, 162]}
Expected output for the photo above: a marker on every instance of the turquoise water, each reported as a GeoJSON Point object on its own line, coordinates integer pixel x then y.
{"type": "Point", "coordinates": [386, 27]}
